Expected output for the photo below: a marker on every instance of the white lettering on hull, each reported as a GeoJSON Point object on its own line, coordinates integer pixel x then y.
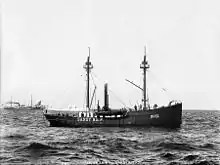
{"type": "Point", "coordinates": [155, 116]}
{"type": "Point", "coordinates": [90, 119]}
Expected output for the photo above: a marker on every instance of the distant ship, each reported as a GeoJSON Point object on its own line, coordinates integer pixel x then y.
{"type": "Point", "coordinates": [11, 105]}
{"type": "Point", "coordinates": [169, 116]}
{"type": "Point", "coordinates": [37, 106]}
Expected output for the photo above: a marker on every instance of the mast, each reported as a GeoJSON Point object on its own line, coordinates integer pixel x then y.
{"type": "Point", "coordinates": [144, 65]}
{"type": "Point", "coordinates": [88, 66]}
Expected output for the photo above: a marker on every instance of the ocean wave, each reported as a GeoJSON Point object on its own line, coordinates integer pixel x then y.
{"type": "Point", "coordinates": [168, 156]}
{"type": "Point", "coordinates": [15, 136]}
{"type": "Point", "coordinates": [17, 160]}
{"type": "Point", "coordinates": [35, 151]}
{"type": "Point", "coordinates": [184, 146]}
{"type": "Point", "coordinates": [190, 157]}
{"type": "Point", "coordinates": [208, 146]}
{"type": "Point", "coordinates": [176, 146]}
{"type": "Point", "coordinates": [205, 162]}
{"type": "Point", "coordinates": [38, 146]}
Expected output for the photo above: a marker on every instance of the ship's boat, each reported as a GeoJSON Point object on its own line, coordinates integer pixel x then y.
{"type": "Point", "coordinates": [165, 116]}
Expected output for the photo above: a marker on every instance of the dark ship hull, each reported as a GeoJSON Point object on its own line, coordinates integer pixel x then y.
{"type": "Point", "coordinates": [169, 116]}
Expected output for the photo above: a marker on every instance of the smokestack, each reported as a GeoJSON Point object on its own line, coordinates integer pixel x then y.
{"type": "Point", "coordinates": [106, 97]}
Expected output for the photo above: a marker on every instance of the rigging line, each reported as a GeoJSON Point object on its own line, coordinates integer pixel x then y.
{"type": "Point", "coordinates": [94, 94]}
{"type": "Point", "coordinates": [161, 85]}
{"type": "Point", "coordinates": [110, 90]}
{"type": "Point", "coordinates": [95, 101]}
{"type": "Point", "coordinates": [95, 87]}
{"type": "Point", "coordinates": [130, 102]}
{"type": "Point", "coordinates": [92, 79]}
{"type": "Point", "coordinates": [148, 99]}
{"type": "Point", "coordinates": [93, 97]}
{"type": "Point", "coordinates": [85, 93]}
{"type": "Point", "coordinates": [94, 74]}
{"type": "Point", "coordinates": [117, 97]}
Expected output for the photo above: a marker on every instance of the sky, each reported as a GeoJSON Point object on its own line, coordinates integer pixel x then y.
{"type": "Point", "coordinates": [44, 45]}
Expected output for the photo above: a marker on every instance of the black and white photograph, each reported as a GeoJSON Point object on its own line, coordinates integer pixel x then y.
{"type": "Point", "coordinates": [110, 82]}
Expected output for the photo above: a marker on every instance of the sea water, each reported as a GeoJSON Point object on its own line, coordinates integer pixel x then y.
{"type": "Point", "coordinates": [26, 138]}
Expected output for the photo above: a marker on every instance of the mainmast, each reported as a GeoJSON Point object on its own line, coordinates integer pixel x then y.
{"type": "Point", "coordinates": [144, 65]}
{"type": "Point", "coordinates": [88, 66]}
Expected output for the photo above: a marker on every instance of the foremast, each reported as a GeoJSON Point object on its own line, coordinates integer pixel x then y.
{"type": "Point", "coordinates": [145, 66]}
{"type": "Point", "coordinates": [88, 66]}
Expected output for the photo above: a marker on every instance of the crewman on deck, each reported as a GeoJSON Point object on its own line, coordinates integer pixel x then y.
{"type": "Point", "coordinates": [140, 107]}
{"type": "Point", "coordinates": [135, 107]}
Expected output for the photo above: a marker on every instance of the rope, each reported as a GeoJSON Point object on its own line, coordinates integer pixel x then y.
{"type": "Point", "coordinates": [85, 94]}
{"type": "Point", "coordinates": [94, 89]}
{"type": "Point", "coordinates": [117, 97]}
{"type": "Point", "coordinates": [93, 79]}
{"type": "Point", "coordinates": [95, 100]}
{"type": "Point", "coordinates": [164, 89]}
{"type": "Point", "coordinates": [109, 90]}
